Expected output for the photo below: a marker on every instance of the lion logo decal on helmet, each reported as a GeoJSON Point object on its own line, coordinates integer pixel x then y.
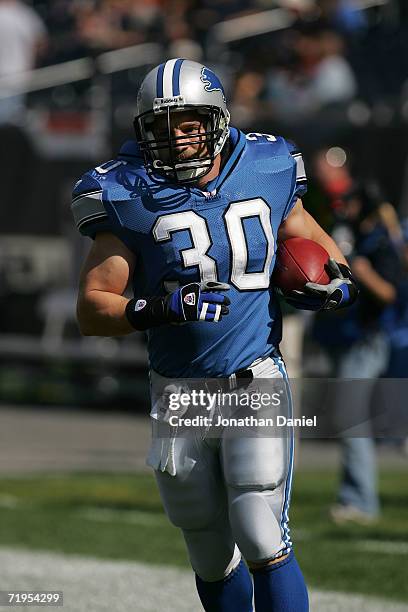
{"type": "Point", "coordinates": [211, 81]}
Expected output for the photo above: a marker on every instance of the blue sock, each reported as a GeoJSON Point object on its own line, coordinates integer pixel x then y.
{"type": "Point", "coordinates": [280, 587]}
{"type": "Point", "coordinates": [232, 594]}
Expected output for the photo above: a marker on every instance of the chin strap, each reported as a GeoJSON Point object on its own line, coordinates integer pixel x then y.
{"type": "Point", "coordinates": [184, 174]}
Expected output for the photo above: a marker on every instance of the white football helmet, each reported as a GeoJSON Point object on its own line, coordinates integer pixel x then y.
{"type": "Point", "coordinates": [174, 86]}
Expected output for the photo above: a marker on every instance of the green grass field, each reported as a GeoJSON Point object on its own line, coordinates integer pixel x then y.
{"type": "Point", "coordinates": [120, 517]}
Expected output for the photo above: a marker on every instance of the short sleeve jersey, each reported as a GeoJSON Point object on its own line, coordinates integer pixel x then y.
{"type": "Point", "coordinates": [181, 234]}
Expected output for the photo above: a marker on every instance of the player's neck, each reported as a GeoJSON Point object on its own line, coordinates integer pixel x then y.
{"type": "Point", "coordinates": [213, 173]}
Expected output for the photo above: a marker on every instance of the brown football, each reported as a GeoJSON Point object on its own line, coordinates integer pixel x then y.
{"type": "Point", "coordinates": [299, 261]}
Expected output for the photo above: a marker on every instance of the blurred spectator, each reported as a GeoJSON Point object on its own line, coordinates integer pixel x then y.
{"type": "Point", "coordinates": [346, 15]}
{"type": "Point", "coordinates": [202, 16]}
{"type": "Point", "coordinates": [178, 22]}
{"type": "Point", "coordinates": [186, 48]}
{"type": "Point", "coordinates": [246, 106]}
{"type": "Point", "coordinates": [22, 39]}
{"type": "Point", "coordinates": [145, 16]}
{"type": "Point", "coordinates": [60, 21]}
{"type": "Point", "coordinates": [321, 77]}
{"type": "Point", "coordinates": [396, 320]}
{"type": "Point", "coordinates": [357, 346]}
{"type": "Point", "coordinates": [112, 24]}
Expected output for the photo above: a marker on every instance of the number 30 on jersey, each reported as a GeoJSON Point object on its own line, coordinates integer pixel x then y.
{"type": "Point", "coordinates": [197, 255]}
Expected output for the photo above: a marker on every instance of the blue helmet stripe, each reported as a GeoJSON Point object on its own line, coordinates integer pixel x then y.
{"type": "Point", "coordinates": [159, 81]}
{"type": "Point", "coordinates": [176, 77]}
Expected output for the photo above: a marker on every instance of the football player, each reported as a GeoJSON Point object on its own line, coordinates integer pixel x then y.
{"type": "Point", "coordinates": [190, 212]}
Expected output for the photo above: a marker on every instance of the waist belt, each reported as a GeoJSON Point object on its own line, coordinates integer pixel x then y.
{"type": "Point", "coordinates": [240, 378]}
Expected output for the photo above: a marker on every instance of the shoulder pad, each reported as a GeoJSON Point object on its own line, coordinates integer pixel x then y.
{"type": "Point", "coordinates": [130, 149]}
{"type": "Point", "coordinates": [87, 207]}
{"type": "Point", "coordinates": [272, 145]}
{"type": "Point", "coordinates": [281, 146]}
{"type": "Point", "coordinates": [86, 184]}
{"type": "Point", "coordinates": [292, 147]}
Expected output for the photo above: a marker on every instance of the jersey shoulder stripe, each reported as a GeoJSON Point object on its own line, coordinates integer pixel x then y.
{"type": "Point", "coordinates": [301, 178]}
{"type": "Point", "coordinates": [91, 218]}
{"type": "Point", "coordinates": [87, 194]}
{"type": "Point", "coordinates": [87, 206]}
{"type": "Point", "coordinates": [300, 167]}
{"type": "Point", "coordinates": [297, 155]}
{"type": "Point", "coordinates": [88, 210]}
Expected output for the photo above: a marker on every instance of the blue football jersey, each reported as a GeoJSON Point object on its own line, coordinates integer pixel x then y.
{"type": "Point", "coordinates": [181, 234]}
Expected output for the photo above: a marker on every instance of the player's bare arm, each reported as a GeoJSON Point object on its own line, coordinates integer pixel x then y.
{"type": "Point", "coordinates": [103, 310]}
{"type": "Point", "coordinates": [103, 281]}
{"type": "Point", "coordinates": [301, 223]}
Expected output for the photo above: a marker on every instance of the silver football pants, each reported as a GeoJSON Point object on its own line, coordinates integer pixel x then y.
{"type": "Point", "coordinates": [229, 494]}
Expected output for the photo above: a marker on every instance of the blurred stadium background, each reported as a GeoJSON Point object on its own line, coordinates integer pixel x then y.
{"type": "Point", "coordinates": [330, 74]}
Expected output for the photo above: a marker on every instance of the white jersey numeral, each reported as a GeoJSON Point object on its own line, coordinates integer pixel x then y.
{"type": "Point", "coordinates": [196, 255]}
{"type": "Point", "coordinates": [201, 239]}
{"type": "Point", "coordinates": [233, 218]}
{"type": "Point", "coordinates": [111, 165]}
{"type": "Point", "coordinates": [258, 135]}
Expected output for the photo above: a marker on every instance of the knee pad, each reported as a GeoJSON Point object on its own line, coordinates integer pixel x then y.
{"type": "Point", "coordinates": [212, 555]}
{"type": "Point", "coordinates": [255, 527]}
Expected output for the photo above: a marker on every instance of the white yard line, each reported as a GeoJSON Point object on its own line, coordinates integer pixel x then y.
{"type": "Point", "coordinates": [149, 519]}
{"type": "Point", "coordinates": [382, 547]}
{"type": "Point", "coordinates": [94, 585]}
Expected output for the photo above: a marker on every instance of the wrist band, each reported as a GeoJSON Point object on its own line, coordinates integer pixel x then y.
{"type": "Point", "coordinates": [143, 313]}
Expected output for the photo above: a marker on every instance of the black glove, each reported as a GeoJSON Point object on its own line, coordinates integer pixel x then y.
{"type": "Point", "coordinates": [197, 302]}
{"type": "Point", "coordinates": [341, 292]}
{"type": "Point", "coordinates": [192, 302]}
